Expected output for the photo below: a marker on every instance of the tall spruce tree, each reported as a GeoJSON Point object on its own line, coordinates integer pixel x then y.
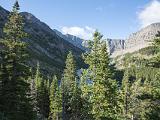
{"type": "Point", "coordinates": [104, 90]}
{"type": "Point", "coordinates": [33, 92]}
{"type": "Point", "coordinates": [77, 103]}
{"type": "Point", "coordinates": [42, 95]}
{"type": "Point", "coordinates": [15, 96]}
{"type": "Point", "coordinates": [68, 82]}
{"type": "Point", "coordinates": [125, 94]}
{"type": "Point", "coordinates": [55, 100]}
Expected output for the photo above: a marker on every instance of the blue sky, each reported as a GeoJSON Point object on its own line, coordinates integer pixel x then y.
{"type": "Point", "coordinates": [113, 18]}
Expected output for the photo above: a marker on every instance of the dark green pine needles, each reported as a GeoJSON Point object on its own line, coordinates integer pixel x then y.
{"type": "Point", "coordinates": [15, 97]}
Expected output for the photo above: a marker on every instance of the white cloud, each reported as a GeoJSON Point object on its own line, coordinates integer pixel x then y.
{"type": "Point", "coordinates": [150, 13]}
{"type": "Point", "coordinates": [85, 33]}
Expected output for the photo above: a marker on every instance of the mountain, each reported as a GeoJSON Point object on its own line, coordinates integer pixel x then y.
{"type": "Point", "coordinates": [76, 41]}
{"type": "Point", "coordinates": [135, 41]}
{"type": "Point", "coordinates": [50, 47]}
{"type": "Point", "coordinates": [44, 45]}
{"type": "Point", "coordinates": [115, 45]}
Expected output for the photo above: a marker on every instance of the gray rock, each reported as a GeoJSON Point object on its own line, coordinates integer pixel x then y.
{"type": "Point", "coordinates": [135, 41]}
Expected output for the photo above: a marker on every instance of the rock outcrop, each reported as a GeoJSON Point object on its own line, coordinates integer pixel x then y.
{"type": "Point", "coordinates": [135, 41]}
{"type": "Point", "coordinates": [115, 45]}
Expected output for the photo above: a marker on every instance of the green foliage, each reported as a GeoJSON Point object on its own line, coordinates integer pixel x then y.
{"type": "Point", "coordinates": [68, 83]}
{"type": "Point", "coordinates": [141, 91]}
{"type": "Point", "coordinates": [55, 100]}
{"type": "Point", "coordinates": [86, 88]}
{"type": "Point", "coordinates": [42, 95]}
{"type": "Point", "coordinates": [103, 96]}
{"type": "Point", "coordinates": [93, 96]}
{"type": "Point", "coordinates": [76, 103]}
{"type": "Point", "coordinates": [156, 59]}
{"type": "Point", "coordinates": [150, 50]}
{"type": "Point", "coordinates": [15, 97]}
{"type": "Point", "coordinates": [72, 101]}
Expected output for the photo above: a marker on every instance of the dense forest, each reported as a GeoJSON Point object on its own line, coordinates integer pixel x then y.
{"type": "Point", "coordinates": [100, 92]}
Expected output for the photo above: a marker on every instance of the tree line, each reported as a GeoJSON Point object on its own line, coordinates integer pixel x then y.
{"type": "Point", "coordinates": [95, 94]}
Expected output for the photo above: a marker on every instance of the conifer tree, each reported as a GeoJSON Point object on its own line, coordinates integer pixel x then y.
{"type": "Point", "coordinates": [142, 88]}
{"type": "Point", "coordinates": [86, 89]}
{"type": "Point", "coordinates": [104, 89]}
{"type": "Point", "coordinates": [68, 82]}
{"type": "Point", "coordinates": [55, 100]}
{"type": "Point", "coordinates": [42, 95]}
{"type": "Point", "coordinates": [77, 103]}
{"type": "Point", "coordinates": [125, 94]}
{"type": "Point", "coordinates": [33, 92]}
{"type": "Point", "coordinates": [15, 98]}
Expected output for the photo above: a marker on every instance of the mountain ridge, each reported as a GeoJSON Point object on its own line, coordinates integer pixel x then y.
{"type": "Point", "coordinates": [76, 41]}
{"type": "Point", "coordinates": [44, 45]}
{"type": "Point", "coordinates": [136, 41]}
{"type": "Point", "coordinates": [53, 45]}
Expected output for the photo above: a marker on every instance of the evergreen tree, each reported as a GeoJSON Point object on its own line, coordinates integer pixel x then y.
{"type": "Point", "coordinates": [77, 103]}
{"type": "Point", "coordinates": [55, 100]}
{"type": "Point", "coordinates": [68, 82]}
{"type": "Point", "coordinates": [86, 89]}
{"type": "Point", "coordinates": [15, 98]}
{"type": "Point", "coordinates": [125, 94]}
{"type": "Point", "coordinates": [104, 90]}
{"type": "Point", "coordinates": [141, 85]}
{"type": "Point", "coordinates": [42, 95]}
{"type": "Point", "coordinates": [33, 92]}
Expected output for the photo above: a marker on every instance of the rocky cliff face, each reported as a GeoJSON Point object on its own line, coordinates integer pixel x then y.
{"type": "Point", "coordinates": [45, 45]}
{"type": "Point", "coordinates": [135, 41]}
{"type": "Point", "coordinates": [115, 45]}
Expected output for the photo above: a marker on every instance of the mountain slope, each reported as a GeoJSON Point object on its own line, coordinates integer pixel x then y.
{"type": "Point", "coordinates": [136, 41]}
{"type": "Point", "coordinates": [76, 41]}
{"type": "Point", "coordinates": [44, 45]}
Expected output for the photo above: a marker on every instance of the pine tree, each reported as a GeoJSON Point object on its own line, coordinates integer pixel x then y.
{"type": "Point", "coordinates": [142, 86]}
{"type": "Point", "coordinates": [104, 89]}
{"type": "Point", "coordinates": [125, 94]}
{"type": "Point", "coordinates": [55, 100]}
{"type": "Point", "coordinates": [42, 95]}
{"type": "Point", "coordinates": [77, 103]}
{"type": "Point", "coordinates": [15, 95]}
{"type": "Point", "coordinates": [86, 89]}
{"type": "Point", "coordinates": [150, 88]}
{"type": "Point", "coordinates": [33, 92]}
{"type": "Point", "coordinates": [68, 82]}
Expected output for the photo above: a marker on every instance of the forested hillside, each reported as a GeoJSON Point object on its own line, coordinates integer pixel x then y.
{"type": "Point", "coordinates": [124, 88]}
{"type": "Point", "coordinates": [44, 45]}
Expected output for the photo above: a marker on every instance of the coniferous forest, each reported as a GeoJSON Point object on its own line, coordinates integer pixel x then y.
{"type": "Point", "coordinates": [100, 92]}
